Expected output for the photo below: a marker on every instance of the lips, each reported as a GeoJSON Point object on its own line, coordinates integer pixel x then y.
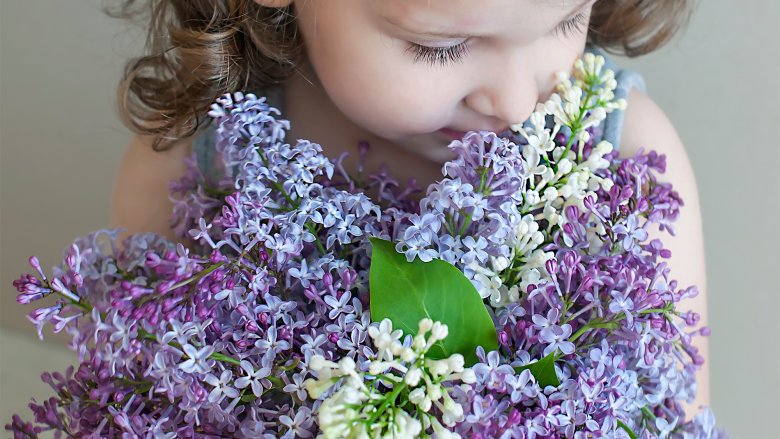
{"type": "Point", "coordinates": [458, 135]}
{"type": "Point", "coordinates": [452, 134]}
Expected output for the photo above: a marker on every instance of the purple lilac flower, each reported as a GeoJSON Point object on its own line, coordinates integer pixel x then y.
{"type": "Point", "coordinates": [215, 339]}
{"type": "Point", "coordinates": [198, 359]}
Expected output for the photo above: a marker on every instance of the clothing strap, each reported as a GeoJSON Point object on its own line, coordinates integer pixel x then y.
{"type": "Point", "coordinates": [204, 144]}
{"type": "Point", "coordinates": [612, 126]}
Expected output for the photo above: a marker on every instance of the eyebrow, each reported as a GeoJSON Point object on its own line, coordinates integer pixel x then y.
{"type": "Point", "coordinates": [392, 21]}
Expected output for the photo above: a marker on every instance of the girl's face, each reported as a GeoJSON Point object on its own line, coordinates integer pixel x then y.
{"type": "Point", "coordinates": [407, 70]}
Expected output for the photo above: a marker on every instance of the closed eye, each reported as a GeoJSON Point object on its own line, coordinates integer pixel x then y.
{"type": "Point", "coordinates": [574, 24]}
{"type": "Point", "coordinates": [438, 55]}
{"type": "Point", "coordinates": [451, 54]}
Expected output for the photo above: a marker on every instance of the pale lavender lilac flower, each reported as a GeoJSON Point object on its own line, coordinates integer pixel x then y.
{"type": "Point", "coordinates": [216, 339]}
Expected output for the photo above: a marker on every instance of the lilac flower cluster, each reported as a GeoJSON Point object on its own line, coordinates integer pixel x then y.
{"type": "Point", "coordinates": [218, 339]}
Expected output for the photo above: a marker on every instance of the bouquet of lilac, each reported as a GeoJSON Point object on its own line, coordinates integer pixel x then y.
{"type": "Point", "coordinates": [519, 298]}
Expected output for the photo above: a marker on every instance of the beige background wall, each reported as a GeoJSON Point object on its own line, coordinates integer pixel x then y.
{"type": "Point", "coordinates": [61, 142]}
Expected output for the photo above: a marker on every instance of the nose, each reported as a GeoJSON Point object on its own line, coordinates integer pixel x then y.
{"type": "Point", "coordinates": [509, 93]}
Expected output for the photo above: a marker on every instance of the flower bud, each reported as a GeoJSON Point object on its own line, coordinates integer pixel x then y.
{"type": "Point", "coordinates": [439, 331]}
{"type": "Point", "coordinates": [317, 362]}
{"type": "Point", "coordinates": [413, 376]}
{"type": "Point", "coordinates": [434, 391]}
{"type": "Point", "coordinates": [456, 362]}
{"type": "Point", "coordinates": [550, 193]}
{"type": "Point", "coordinates": [564, 166]}
{"type": "Point", "coordinates": [420, 399]}
{"type": "Point", "coordinates": [418, 342]}
{"type": "Point", "coordinates": [441, 432]}
{"type": "Point", "coordinates": [552, 266]}
{"type": "Point", "coordinates": [347, 365]}
{"type": "Point", "coordinates": [36, 264]}
{"type": "Point", "coordinates": [377, 367]}
{"type": "Point", "coordinates": [468, 376]}
{"type": "Point", "coordinates": [408, 355]}
{"type": "Point", "coordinates": [424, 326]}
{"type": "Point", "coordinates": [396, 348]}
{"type": "Point", "coordinates": [500, 263]}
{"type": "Point", "coordinates": [315, 388]}
{"type": "Point", "coordinates": [453, 408]}
{"type": "Point", "coordinates": [437, 367]}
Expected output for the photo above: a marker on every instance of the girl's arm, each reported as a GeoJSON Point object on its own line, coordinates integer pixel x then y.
{"type": "Point", "coordinates": [646, 125]}
{"type": "Point", "coordinates": [140, 196]}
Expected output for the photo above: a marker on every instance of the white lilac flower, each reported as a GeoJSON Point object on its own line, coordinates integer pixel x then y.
{"type": "Point", "coordinates": [499, 264]}
{"type": "Point", "coordinates": [397, 366]}
{"type": "Point", "coordinates": [566, 112]}
{"type": "Point", "coordinates": [405, 426]}
{"type": "Point", "coordinates": [386, 339]}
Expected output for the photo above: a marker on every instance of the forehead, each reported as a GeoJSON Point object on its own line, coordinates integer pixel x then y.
{"type": "Point", "coordinates": [483, 17]}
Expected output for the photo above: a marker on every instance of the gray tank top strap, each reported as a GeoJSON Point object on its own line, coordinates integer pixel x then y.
{"type": "Point", "coordinates": [612, 126]}
{"type": "Point", "coordinates": [204, 147]}
{"type": "Point", "coordinates": [204, 143]}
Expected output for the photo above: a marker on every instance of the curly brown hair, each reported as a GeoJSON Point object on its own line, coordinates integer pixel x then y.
{"type": "Point", "coordinates": [198, 50]}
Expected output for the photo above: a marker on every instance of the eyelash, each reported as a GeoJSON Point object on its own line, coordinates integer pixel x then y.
{"type": "Point", "coordinates": [573, 25]}
{"type": "Point", "coordinates": [439, 55]}
{"type": "Point", "coordinates": [451, 54]}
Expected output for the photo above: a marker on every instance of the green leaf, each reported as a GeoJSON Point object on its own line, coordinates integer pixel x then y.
{"type": "Point", "coordinates": [543, 370]}
{"type": "Point", "coordinates": [630, 432]}
{"type": "Point", "coordinates": [406, 292]}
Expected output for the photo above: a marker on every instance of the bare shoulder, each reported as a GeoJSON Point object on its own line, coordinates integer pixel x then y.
{"type": "Point", "coordinates": [140, 201]}
{"type": "Point", "coordinates": [647, 126]}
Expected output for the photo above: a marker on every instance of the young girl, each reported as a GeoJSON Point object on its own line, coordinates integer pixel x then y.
{"type": "Point", "coordinates": [406, 76]}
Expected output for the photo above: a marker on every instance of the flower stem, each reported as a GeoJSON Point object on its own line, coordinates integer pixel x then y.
{"type": "Point", "coordinates": [612, 324]}
{"type": "Point", "coordinates": [198, 276]}
{"type": "Point", "coordinates": [317, 242]}
{"type": "Point", "coordinates": [388, 400]}
{"type": "Point", "coordinates": [215, 356]}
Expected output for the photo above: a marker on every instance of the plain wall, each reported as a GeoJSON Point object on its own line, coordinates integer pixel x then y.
{"type": "Point", "coordinates": [61, 143]}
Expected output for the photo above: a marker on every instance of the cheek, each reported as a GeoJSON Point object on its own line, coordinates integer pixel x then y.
{"type": "Point", "coordinates": [390, 102]}
{"type": "Point", "coordinates": [377, 86]}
